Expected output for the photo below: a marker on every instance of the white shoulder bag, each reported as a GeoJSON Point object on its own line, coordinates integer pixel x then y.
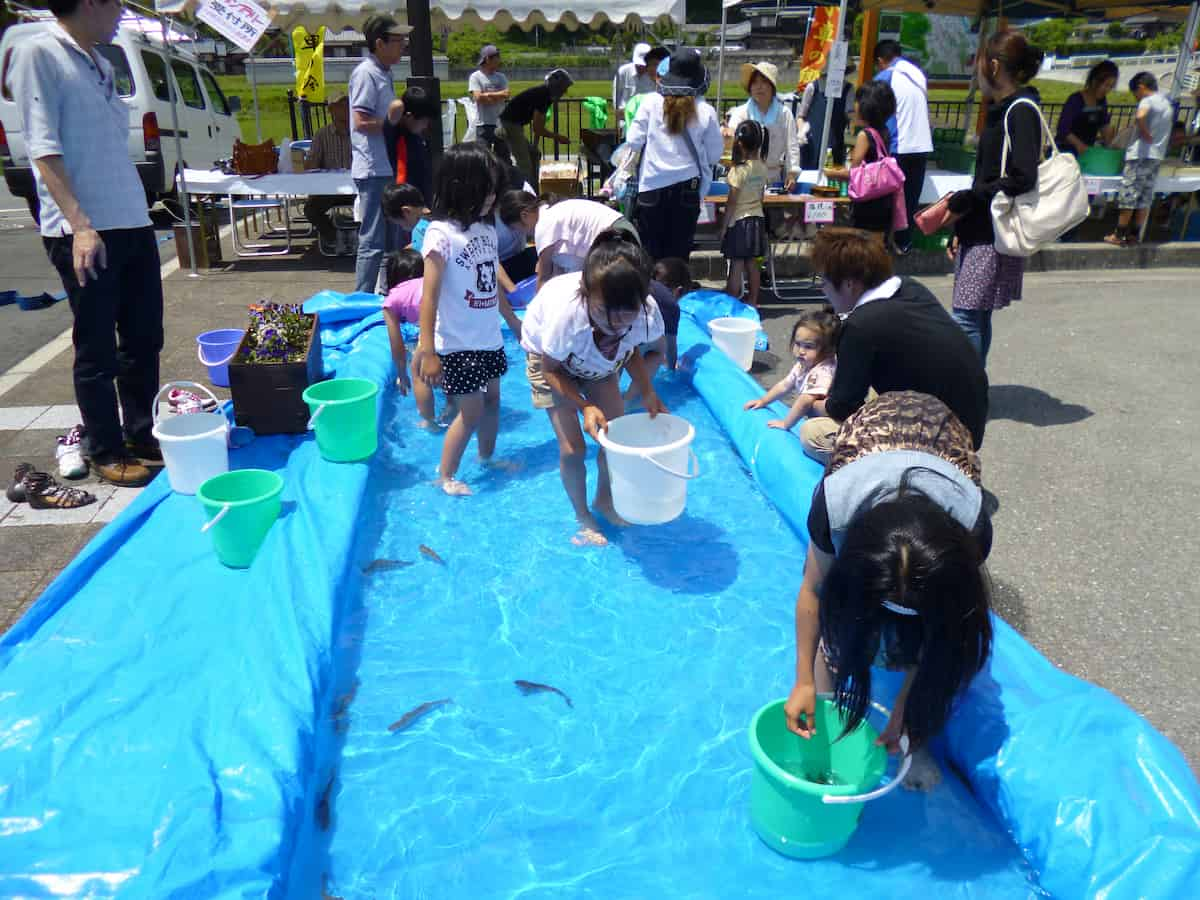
{"type": "Point", "coordinates": [1028, 222]}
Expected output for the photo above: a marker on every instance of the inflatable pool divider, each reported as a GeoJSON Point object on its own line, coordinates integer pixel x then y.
{"type": "Point", "coordinates": [238, 804]}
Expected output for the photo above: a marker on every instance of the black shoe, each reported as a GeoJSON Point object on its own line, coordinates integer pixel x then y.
{"type": "Point", "coordinates": [44, 492]}
{"type": "Point", "coordinates": [148, 451]}
{"type": "Point", "coordinates": [16, 492]}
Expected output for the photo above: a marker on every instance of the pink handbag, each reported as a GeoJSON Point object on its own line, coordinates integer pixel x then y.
{"type": "Point", "coordinates": [873, 180]}
{"type": "Point", "coordinates": [937, 216]}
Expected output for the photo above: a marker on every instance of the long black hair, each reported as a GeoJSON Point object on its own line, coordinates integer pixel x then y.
{"type": "Point", "coordinates": [908, 550]}
{"type": "Point", "coordinates": [750, 141]}
{"type": "Point", "coordinates": [876, 103]}
{"type": "Point", "coordinates": [619, 269]}
{"type": "Point", "coordinates": [464, 180]}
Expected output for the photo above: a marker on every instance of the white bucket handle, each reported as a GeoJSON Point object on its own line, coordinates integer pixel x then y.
{"type": "Point", "coordinates": [217, 518]}
{"type": "Point", "coordinates": [693, 463]}
{"type": "Point", "coordinates": [180, 384]}
{"type": "Point", "coordinates": [905, 765]}
{"type": "Point", "coordinates": [226, 360]}
{"type": "Point", "coordinates": [313, 421]}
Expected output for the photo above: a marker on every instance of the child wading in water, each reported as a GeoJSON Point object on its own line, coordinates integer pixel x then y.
{"type": "Point", "coordinates": [579, 332]}
{"type": "Point", "coordinates": [814, 341]}
{"type": "Point", "coordinates": [461, 347]}
{"type": "Point", "coordinates": [403, 270]}
{"type": "Point", "coordinates": [744, 228]}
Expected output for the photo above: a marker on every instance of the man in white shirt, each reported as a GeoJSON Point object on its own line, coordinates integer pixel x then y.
{"type": "Point", "coordinates": [489, 89]}
{"type": "Point", "coordinates": [632, 79]}
{"type": "Point", "coordinates": [96, 230]}
{"type": "Point", "coordinates": [911, 138]}
{"type": "Point", "coordinates": [372, 92]}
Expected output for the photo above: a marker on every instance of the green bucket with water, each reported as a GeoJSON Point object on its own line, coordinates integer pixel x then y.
{"type": "Point", "coordinates": [344, 417]}
{"type": "Point", "coordinates": [807, 794]}
{"type": "Point", "coordinates": [1097, 160]}
{"type": "Point", "coordinates": [242, 506]}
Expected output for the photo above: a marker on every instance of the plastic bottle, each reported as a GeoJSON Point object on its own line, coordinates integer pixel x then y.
{"type": "Point", "coordinates": [285, 156]}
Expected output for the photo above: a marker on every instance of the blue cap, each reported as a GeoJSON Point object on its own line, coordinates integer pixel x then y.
{"type": "Point", "coordinates": [664, 67]}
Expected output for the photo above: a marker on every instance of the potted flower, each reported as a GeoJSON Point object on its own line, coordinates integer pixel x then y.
{"type": "Point", "coordinates": [279, 356]}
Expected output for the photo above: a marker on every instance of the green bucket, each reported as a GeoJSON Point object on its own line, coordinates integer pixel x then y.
{"type": "Point", "coordinates": [344, 417]}
{"type": "Point", "coordinates": [807, 794]}
{"type": "Point", "coordinates": [241, 506]}
{"type": "Point", "coordinates": [1097, 160]}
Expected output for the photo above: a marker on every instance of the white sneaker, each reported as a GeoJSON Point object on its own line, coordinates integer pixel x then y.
{"type": "Point", "coordinates": [69, 453]}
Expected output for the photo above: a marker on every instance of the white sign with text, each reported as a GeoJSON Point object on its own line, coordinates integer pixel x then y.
{"type": "Point", "coordinates": [817, 212]}
{"type": "Point", "coordinates": [242, 21]}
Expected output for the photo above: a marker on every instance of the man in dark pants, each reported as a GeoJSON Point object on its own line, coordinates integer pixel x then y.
{"type": "Point", "coordinates": [96, 230]}
{"type": "Point", "coordinates": [911, 138]}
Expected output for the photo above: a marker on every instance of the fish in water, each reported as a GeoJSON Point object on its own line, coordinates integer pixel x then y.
{"type": "Point", "coordinates": [416, 712]}
{"type": "Point", "coordinates": [532, 687]}
{"type": "Point", "coordinates": [432, 554]}
{"type": "Point", "coordinates": [385, 565]}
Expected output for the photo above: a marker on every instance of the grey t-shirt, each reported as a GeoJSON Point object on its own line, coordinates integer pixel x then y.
{"type": "Point", "coordinates": [1159, 117]}
{"type": "Point", "coordinates": [371, 92]}
{"type": "Point", "coordinates": [489, 113]}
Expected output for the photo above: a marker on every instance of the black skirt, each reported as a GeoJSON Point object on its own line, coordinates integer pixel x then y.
{"type": "Point", "coordinates": [745, 239]}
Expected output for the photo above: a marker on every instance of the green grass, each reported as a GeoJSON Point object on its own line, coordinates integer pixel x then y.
{"type": "Point", "coordinates": [273, 109]}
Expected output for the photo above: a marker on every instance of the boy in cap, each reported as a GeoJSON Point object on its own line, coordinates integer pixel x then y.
{"type": "Point", "coordinates": [632, 78]}
{"type": "Point", "coordinates": [489, 90]}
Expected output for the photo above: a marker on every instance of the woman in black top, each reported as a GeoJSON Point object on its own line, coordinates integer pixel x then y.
{"type": "Point", "coordinates": [875, 104]}
{"type": "Point", "coordinates": [984, 280]}
{"type": "Point", "coordinates": [1085, 116]}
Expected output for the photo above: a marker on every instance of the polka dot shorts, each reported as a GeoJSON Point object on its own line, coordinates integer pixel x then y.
{"type": "Point", "coordinates": [469, 371]}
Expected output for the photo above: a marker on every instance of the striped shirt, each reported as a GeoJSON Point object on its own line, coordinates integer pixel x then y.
{"type": "Point", "coordinates": [70, 108]}
{"type": "Point", "coordinates": [330, 149]}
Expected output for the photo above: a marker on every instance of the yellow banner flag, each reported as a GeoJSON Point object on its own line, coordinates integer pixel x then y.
{"type": "Point", "coordinates": [310, 63]}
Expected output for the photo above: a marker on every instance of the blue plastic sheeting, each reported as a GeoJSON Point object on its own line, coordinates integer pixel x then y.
{"type": "Point", "coordinates": [1100, 802]}
{"type": "Point", "coordinates": [159, 713]}
{"type": "Point", "coordinates": [704, 305]}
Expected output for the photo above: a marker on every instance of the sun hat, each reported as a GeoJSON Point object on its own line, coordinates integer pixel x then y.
{"type": "Point", "coordinates": [639, 54]}
{"type": "Point", "coordinates": [767, 70]}
{"type": "Point", "coordinates": [686, 75]}
{"type": "Point", "coordinates": [487, 53]}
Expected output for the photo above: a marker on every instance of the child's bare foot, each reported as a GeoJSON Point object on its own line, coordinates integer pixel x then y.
{"type": "Point", "coordinates": [454, 487]}
{"type": "Point", "coordinates": [502, 465]}
{"type": "Point", "coordinates": [609, 512]}
{"type": "Point", "coordinates": [589, 534]}
{"type": "Point", "coordinates": [428, 425]}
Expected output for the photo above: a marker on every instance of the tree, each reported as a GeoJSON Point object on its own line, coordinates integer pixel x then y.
{"type": "Point", "coordinates": [1115, 30]}
{"type": "Point", "coordinates": [464, 44]}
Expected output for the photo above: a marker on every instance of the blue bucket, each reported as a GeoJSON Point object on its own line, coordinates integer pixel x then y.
{"type": "Point", "coordinates": [216, 349]}
{"type": "Point", "coordinates": [523, 292]}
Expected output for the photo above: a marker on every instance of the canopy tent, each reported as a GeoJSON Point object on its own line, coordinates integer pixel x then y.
{"type": "Point", "coordinates": [525, 14]}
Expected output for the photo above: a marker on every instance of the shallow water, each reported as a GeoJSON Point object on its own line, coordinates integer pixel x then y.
{"type": "Point", "coordinates": [666, 643]}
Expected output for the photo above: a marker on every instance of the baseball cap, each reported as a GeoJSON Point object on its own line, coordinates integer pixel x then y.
{"type": "Point", "coordinates": [488, 51]}
{"type": "Point", "coordinates": [639, 54]}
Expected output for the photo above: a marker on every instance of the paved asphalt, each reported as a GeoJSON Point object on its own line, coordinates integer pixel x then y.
{"type": "Point", "coordinates": [25, 268]}
{"type": "Point", "coordinates": [1092, 451]}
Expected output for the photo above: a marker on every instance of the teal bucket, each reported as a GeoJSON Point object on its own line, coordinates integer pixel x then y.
{"type": "Point", "coordinates": [242, 506]}
{"type": "Point", "coordinates": [344, 416]}
{"type": "Point", "coordinates": [807, 794]}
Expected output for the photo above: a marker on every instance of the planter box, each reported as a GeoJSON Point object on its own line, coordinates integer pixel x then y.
{"type": "Point", "coordinates": [267, 396]}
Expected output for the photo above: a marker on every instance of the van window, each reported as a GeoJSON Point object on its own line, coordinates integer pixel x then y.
{"type": "Point", "coordinates": [189, 84]}
{"type": "Point", "coordinates": [215, 96]}
{"type": "Point", "coordinates": [121, 73]}
{"type": "Point", "coordinates": [156, 69]}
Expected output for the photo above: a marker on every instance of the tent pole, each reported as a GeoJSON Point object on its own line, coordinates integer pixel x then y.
{"type": "Point", "coordinates": [840, 31]}
{"type": "Point", "coordinates": [721, 60]}
{"type": "Point", "coordinates": [254, 96]}
{"type": "Point", "coordinates": [1185, 51]}
{"type": "Point", "coordinates": [183, 191]}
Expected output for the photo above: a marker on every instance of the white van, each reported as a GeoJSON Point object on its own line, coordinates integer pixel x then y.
{"type": "Point", "coordinates": [207, 124]}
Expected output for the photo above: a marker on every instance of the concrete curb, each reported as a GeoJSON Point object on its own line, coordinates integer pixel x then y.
{"type": "Point", "coordinates": [792, 259]}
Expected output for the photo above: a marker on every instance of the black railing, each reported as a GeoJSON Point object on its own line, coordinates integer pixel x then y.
{"type": "Point", "coordinates": [306, 118]}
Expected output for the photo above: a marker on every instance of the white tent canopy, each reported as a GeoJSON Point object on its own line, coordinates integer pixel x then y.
{"type": "Point", "coordinates": [502, 13]}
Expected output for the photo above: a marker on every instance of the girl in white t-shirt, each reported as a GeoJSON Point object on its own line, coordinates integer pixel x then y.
{"type": "Point", "coordinates": [565, 233]}
{"type": "Point", "coordinates": [461, 347]}
{"type": "Point", "coordinates": [814, 343]}
{"type": "Point", "coordinates": [579, 332]}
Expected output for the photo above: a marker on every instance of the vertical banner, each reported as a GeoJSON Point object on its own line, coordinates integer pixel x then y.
{"type": "Point", "coordinates": [821, 34]}
{"type": "Point", "coordinates": [309, 51]}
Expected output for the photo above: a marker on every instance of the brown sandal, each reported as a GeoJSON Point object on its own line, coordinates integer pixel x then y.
{"type": "Point", "coordinates": [43, 492]}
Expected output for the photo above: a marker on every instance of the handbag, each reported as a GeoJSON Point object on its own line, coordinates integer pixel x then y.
{"type": "Point", "coordinates": [255, 159]}
{"type": "Point", "coordinates": [872, 180]}
{"type": "Point", "coordinates": [1059, 201]}
{"type": "Point", "coordinates": [936, 216]}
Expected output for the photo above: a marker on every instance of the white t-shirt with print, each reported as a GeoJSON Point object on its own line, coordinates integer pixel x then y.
{"type": "Point", "coordinates": [557, 325]}
{"type": "Point", "coordinates": [569, 227]}
{"type": "Point", "coordinates": [468, 316]}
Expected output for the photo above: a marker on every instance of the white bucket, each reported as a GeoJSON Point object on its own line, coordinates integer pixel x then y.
{"type": "Point", "coordinates": [648, 461]}
{"type": "Point", "coordinates": [194, 445]}
{"type": "Point", "coordinates": [736, 338]}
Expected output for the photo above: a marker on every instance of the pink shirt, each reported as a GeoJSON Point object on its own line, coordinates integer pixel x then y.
{"type": "Point", "coordinates": [404, 300]}
{"type": "Point", "coordinates": [816, 380]}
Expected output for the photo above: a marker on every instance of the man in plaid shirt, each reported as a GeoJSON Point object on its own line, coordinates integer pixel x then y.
{"type": "Point", "coordinates": [330, 150]}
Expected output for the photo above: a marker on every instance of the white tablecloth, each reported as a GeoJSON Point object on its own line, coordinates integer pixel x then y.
{"type": "Point", "coordinates": [296, 184]}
